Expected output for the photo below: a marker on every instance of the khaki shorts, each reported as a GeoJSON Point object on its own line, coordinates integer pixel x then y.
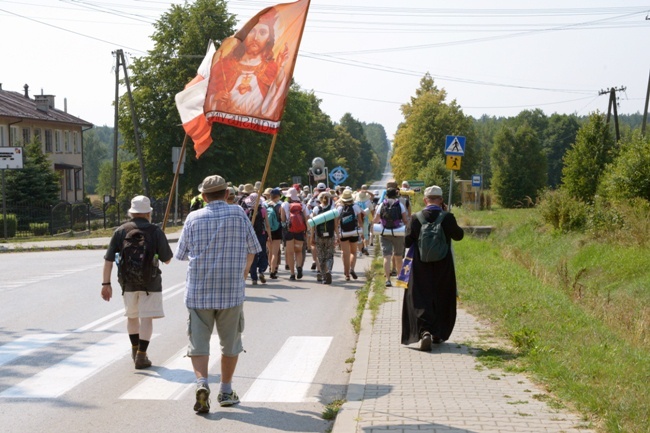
{"type": "Point", "coordinates": [142, 305]}
{"type": "Point", "coordinates": [392, 246]}
{"type": "Point", "coordinates": [230, 325]}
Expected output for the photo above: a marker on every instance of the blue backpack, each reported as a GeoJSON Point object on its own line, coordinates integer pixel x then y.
{"type": "Point", "coordinates": [272, 214]}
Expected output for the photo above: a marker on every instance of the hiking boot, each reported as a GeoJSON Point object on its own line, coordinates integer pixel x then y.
{"type": "Point", "coordinates": [425, 343]}
{"type": "Point", "coordinates": [273, 275]}
{"type": "Point", "coordinates": [262, 279]}
{"type": "Point", "coordinates": [388, 284]}
{"type": "Point", "coordinates": [141, 360]}
{"type": "Point", "coordinates": [299, 269]}
{"type": "Point", "coordinates": [202, 404]}
{"type": "Point", "coordinates": [134, 350]}
{"type": "Point", "coordinates": [393, 273]}
{"type": "Point", "coordinates": [227, 399]}
{"type": "Point", "coordinates": [319, 277]}
{"type": "Point", "coordinates": [292, 278]}
{"type": "Point", "coordinates": [353, 274]}
{"type": "Point", "coordinates": [328, 278]}
{"type": "Point", "coordinates": [313, 266]}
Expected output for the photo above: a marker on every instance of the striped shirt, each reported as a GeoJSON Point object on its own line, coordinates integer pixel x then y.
{"type": "Point", "coordinates": [216, 241]}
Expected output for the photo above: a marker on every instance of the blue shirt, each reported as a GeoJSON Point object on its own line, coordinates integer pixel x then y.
{"type": "Point", "coordinates": [216, 241]}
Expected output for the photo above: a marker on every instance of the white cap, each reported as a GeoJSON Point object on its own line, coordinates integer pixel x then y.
{"type": "Point", "coordinates": [433, 191]}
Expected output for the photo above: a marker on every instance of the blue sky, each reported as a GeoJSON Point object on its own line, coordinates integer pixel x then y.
{"type": "Point", "coordinates": [365, 57]}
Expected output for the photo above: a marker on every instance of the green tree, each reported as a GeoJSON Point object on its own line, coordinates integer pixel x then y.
{"type": "Point", "coordinates": [95, 152]}
{"type": "Point", "coordinates": [585, 162]}
{"type": "Point", "coordinates": [560, 134]}
{"type": "Point", "coordinates": [518, 165]}
{"type": "Point", "coordinates": [376, 135]}
{"type": "Point", "coordinates": [36, 181]}
{"type": "Point", "coordinates": [628, 176]}
{"type": "Point", "coordinates": [428, 120]}
{"type": "Point", "coordinates": [367, 166]}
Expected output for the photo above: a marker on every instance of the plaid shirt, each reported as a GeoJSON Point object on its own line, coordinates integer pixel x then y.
{"type": "Point", "coordinates": [216, 241]}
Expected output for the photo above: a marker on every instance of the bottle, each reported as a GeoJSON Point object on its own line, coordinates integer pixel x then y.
{"type": "Point", "coordinates": [117, 259]}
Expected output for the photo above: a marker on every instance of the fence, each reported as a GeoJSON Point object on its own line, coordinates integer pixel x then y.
{"type": "Point", "coordinates": [29, 219]}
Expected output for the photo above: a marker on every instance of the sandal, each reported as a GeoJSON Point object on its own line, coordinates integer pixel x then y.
{"type": "Point", "coordinates": [347, 278]}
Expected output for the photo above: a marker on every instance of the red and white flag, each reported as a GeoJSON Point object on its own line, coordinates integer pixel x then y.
{"type": "Point", "coordinates": [190, 105]}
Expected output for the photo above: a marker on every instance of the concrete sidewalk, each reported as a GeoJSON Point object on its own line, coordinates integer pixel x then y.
{"type": "Point", "coordinates": [401, 389]}
{"type": "Point", "coordinates": [68, 243]}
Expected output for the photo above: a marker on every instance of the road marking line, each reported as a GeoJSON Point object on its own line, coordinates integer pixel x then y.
{"type": "Point", "coordinates": [25, 345]}
{"type": "Point", "coordinates": [291, 372]}
{"type": "Point", "coordinates": [60, 378]}
{"type": "Point", "coordinates": [170, 381]}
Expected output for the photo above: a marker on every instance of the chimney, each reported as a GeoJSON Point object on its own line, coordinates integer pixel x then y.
{"type": "Point", "coordinates": [65, 105]}
{"type": "Point", "coordinates": [44, 102]}
{"type": "Point", "coordinates": [0, 86]}
{"type": "Point", "coordinates": [26, 87]}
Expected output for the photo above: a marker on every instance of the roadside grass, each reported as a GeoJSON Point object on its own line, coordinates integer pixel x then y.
{"type": "Point", "coordinates": [576, 312]}
{"type": "Point", "coordinates": [332, 409]}
{"type": "Point", "coordinates": [374, 286]}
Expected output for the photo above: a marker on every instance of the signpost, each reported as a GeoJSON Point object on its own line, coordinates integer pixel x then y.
{"type": "Point", "coordinates": [176, 155]}
{"type": "Point", "coordinates": [417, 185]}
{"type": "Point", "coordinates": [10, 159]}
{"type": "Point", "coordinates": [454, 149]}
{"type": "Point", "coordinates": [338, 175]}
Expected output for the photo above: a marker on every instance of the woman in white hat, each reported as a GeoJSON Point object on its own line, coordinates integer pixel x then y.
{"type": "Point", "coordinates": [350, 220]}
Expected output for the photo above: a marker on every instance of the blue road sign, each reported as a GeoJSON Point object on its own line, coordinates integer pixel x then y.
{"type": "Point", "coordinates": [338, 175]}
{"type": "Point", "coordinates": [455, 145]}
{"type": "Point", "coordinates": [476, 180]}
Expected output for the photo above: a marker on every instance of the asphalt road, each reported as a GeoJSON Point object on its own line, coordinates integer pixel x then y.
{"type": "Point", "coordinates": [65, 361]}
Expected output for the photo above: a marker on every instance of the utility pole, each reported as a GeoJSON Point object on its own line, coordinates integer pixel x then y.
{"type": "Point", "coordinates": [119, 54]}
{"type": "Point", "coordinates": [645, 111]}
{"type": "Point", "coordinates": [115, 126]}
{"type": "Point", "coordinates": [613, 104]}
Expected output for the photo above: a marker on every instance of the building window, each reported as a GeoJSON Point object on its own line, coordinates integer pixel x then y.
{"type": "Point", "coordinates": [77, 179]}
{"type": "Point", "coordinates": [48, 141]}
{"type": "Point", "coordinates": [3, 140]}
{"type": "Point", "coordinates": [27, 136]}
{"type": "Point", "coordinates": [66, 141]}
{"type": "Point", "coordinates": [57, 141]}
{"type": "Point", "coordinates": [37, 135]}
{"type": "Point", "coordinates": [13, 136]}
{"type": "Point", "coordinates": [68, 180]}
{"type": "Point", "coordinates": [76, 140]}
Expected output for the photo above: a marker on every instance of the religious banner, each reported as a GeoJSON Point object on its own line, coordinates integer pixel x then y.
{"type": "Point", "coordinates": [251, 72]}
{"type": "Point", "coordinates": [407, 265]}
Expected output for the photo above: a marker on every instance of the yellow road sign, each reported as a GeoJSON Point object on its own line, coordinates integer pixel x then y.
{"type": "Point", "coordinates": [453, 162]}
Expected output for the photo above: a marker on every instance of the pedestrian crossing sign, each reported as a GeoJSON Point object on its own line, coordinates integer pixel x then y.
{"type": "Point", "coordinates": [453, 162]}
{"type": "Point", "coordinates": [455, 145]}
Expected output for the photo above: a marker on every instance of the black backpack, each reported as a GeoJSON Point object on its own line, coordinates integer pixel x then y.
{"type": "Point", "coordinates": [348, 219]}
{"type": "Point", "coordinates": [258, 225]}
{"type": "Point", "coordinates": [137, 255]}
{"type": "Point", "coordinates": [325, 230]}
{"type": "Point", "coordinates": [391, 215]}
{"type": "Point", "coordinates": [432, 242]}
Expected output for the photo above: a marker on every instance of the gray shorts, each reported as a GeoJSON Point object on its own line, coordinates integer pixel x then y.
{"type": "Point", "coordinates": [392, 245]}
{"type": "Point", "coordinates": [230, 325]}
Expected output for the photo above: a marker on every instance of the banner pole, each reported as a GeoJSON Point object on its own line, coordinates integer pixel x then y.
{"type": "Point", "coordinates": [263, 181]}
{"type": "Point", "coordinates": [171, 192]}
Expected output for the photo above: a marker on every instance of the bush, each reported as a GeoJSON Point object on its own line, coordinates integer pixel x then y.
{"type": "Point", "coordinates": [39, 229]}
{"type": "Point", "coordinates": [562, 211]}
{"type": "Point", "coordinates": [12, 225]}
{"type": "Point", "coordinates": [622, 222]}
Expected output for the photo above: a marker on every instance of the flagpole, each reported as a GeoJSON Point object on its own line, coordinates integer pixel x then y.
{"type": "Point", "coordinates": [178, 169]}
{"type": "Point", "coordinates": [263, 181]}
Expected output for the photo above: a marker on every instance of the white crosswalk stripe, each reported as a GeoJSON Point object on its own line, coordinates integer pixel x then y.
{"type": "Point", "coordinates": [30, 280]}
{"type": "Point", "coordinates": [26, 345]}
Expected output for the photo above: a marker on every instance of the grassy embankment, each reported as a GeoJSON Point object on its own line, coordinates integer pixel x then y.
{"type": "Point", "coordinates": [576, 311]}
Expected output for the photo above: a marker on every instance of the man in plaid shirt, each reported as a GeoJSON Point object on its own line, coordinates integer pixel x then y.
{"type": "Point", "coordinates": [220, 243]}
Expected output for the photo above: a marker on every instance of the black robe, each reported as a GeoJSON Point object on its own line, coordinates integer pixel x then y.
{"type": "Point", "coordinates": [430, 300]}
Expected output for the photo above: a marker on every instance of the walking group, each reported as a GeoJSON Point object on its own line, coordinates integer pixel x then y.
{"type": "Point", "coordinates": [235, 233]}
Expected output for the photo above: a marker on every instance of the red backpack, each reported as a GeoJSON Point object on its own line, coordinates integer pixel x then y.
{"type": "Point", "coordinates": [296, 218]}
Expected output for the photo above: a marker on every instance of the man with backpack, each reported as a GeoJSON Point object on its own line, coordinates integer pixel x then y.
{"type": "Point", "coordinates": [429, 306]}
{"type": "Point", "coordinates": [274, 212]}
{"type": "Point", "coordinates": [392, 216]}
{"type": "Point", "coordinates": [294, 221]}
{"type": "Point", "coordinates": [138, 247]}
{"type": "Point", "coordinates": [262, 229]}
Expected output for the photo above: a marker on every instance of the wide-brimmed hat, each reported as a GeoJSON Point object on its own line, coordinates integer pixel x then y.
{"type": "Point", "coordinates": [324, 194]}
{"type": "Point", "coordinates": [140, 204]}
{"type": "Point", "coordinates": [248, 188]}
{"type": "Point", "coordinates": [347, 196]}
{"type": "Point", "coordinates": [364, 187]}
{"type": "Point", "coordinates": [213, 183]}
{"type": "Point", "coordinates": [363, 195]}
{"type": "Point", "coordinates": [293, 194]}
{"type": "Point", "coordinates": [433, 191]}
{"type": "Point", "coordinates": [267, 192]}
{"type": "Point", "coordinates": [251, 199]}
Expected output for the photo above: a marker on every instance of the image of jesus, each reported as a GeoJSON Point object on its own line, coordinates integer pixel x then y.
{"type": "Point", "coordinates": [249, 80]}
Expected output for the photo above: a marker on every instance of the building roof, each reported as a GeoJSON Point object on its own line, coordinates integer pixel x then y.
{"type": "Point", "coordinates": [14, 104]}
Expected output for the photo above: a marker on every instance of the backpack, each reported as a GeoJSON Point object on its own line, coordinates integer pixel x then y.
{"type": "Point", "coordinates": [391, 215]}
{"type": "Point", "coordinates": [348, 219]}
{"type": "Point", "coordinates": [296, 218]}
{"type": "Point", "coordinates": [272, 214]}
{"type": "Point", "coordinates": [258, 225]}
{"type": "Point", "coordinates": [136, 267]}
{"type": "Point", "coordinates": [432, 242]}
{"type": "Point", "coordinates": [325, 230]}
